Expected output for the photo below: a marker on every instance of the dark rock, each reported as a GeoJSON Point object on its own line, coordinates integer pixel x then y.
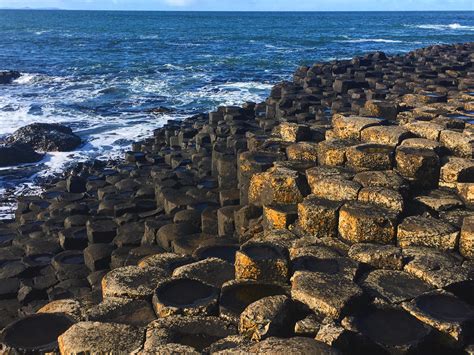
{"type": "Point", "coordinates": [18, 153]}
{"type": "Point", "coordinates": [46, 137]}
{"type": "Point", "coordinates": [6, 77]}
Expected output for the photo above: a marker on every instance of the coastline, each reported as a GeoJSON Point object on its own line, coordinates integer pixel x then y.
{"type": "Point", "coordinates": [356, 175]}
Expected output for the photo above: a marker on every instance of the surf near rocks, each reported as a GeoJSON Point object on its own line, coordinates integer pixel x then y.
{"type": "Point", "coordinates": [295, 217]}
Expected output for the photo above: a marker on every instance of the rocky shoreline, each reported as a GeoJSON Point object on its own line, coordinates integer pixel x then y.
{"type": "Point", "coordinates": [335, 217]}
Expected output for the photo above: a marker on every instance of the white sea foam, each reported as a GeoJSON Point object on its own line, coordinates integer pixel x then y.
{"type": "Point", "coordinates": [452, 26]}
{"type": "Point", "coordinates": [375, 40]}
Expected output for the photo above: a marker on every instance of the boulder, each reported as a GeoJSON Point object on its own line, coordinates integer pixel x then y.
{"type": "Point", "coordinates": [6, 77]}
{"type": "Point", "coordinates": [46, 137]}
{"type": "Point", "coordinates": [18, 153]}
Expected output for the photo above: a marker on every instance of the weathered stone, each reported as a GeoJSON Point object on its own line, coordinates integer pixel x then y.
{"type": "Point", "coordinates": [184, 296]}
{"type": "Point", "coordinates": [120, 310]}
{"type": "Point", "coordinates": [70, 307]}
{"type": "Point", "coordinates": [98, 256]}
{"type": "Point", "coordinates": [384, 109]}
{"type": "Point", "coordinates": [279, 216]}
{"type": "Point", "coordinates": [131, 282]}
{"type": "Point", "coordinates": [164, 261]}
{"type": "Point", "coordinates": [319, 217]}
{"type": "Point", "coordinates": [460, 144]}
{"type": "Point", "coordinates": [42, 331]}
{"type": "Point", "coordinates": [96, 337]}
{"type": "Point", "coordinates": [307, 151]}
{"type": "Point", "coordinates": [211, 271]}
{"type": "Point", "coordinates": [236, 295]}
{"type": "Point", "coordinates": [456, 170]}
{"type": "Point", "coordinates": [394, 286]}
{"type": "Point", "coordinates": [388, 179]}
{"type": "Point", "coordinates": [298, 345]}
{"type": "Point", "coordinates": [101, 231]}
{"type": "Point", "coordinates": [46, 137]}
{"type": "Point", "coordinates": [420, 166]}
{"type": "Point", "coordinates": [261, 262]}
{"type": "Point", "coordinates": [361, 222]}
{"type": "Point", "coordinates": [383, 197]}
{"type": "Point", "coordinates": [269, 316]}
{"type": "Point", "coordinates": [333, 152]}
{"type": "Point", "coordinates": [378, 256]}
{"type": "Point", "coordinates": [435, 267]}
{"type": "Point", "coordinates": [394, 331]}
{"type": "Point", "coordinates": [351, 127]}
{"type": "Point", "coordinates": [444, 312]}
{"type": "Point", "coordinates": [194, 332]}
{"type": "Point", "coordinates": [427, 130]}
{"type": "Point", "coordinates": [292, 132]}
{"type": "Point", "coordinates": [429, 232]}
{"type": "Point", "coordinates": [388, 135]}
{"type": "Point", "coordinates": [369, 156]}
{"type": "Point", "coordinates": [330, 295]}
{"type": "Point", "coordinates": [466, 241]}
{"type": "Point", "coordinates": [277, 186]}
{"type": "Point", "coordinates": [226, 220]}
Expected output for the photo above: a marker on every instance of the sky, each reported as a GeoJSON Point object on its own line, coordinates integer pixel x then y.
{"type": "Point", "coordinates": [246, 5]}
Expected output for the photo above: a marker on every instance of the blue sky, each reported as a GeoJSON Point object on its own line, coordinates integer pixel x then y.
{"type": "Point", "coordinates": [247, 5]}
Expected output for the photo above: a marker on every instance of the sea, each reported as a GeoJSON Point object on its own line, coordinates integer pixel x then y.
{"type": "Point", "coordinates": [101, 73]}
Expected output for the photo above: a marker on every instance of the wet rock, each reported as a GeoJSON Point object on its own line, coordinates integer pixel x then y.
{"type": "Point", "coordinates": [194, 332]}
{"type": "Point", "coordinates": [444, 312]}
{"type": "Point", "coordinates": [18, 153]}
{"type": "Point", "coordinates": [184, 296]}
{"type": "Point", "coordinates": [429, 232]}
{"type": "Point", "coordinates": [96, 337]}
{"type": "Point", "coordinates": [6, 77]}
{"type": "Point", "coordinates": [330, 295]}
{"type": "Point", "coordinates": [42, 330]}
{"type": "Point", "coordinates": [46, 137]}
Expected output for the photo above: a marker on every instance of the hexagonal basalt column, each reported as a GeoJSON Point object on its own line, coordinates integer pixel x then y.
{"type": "Point", "coordinates": [362, 222]}
{"type": "Point", "coordinates": [186, 297]}
{"type": "Point", "coordinates": [261, 262]}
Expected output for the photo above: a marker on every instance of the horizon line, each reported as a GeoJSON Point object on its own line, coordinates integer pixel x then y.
{"type": "Point", "coordinates": [177, 10]}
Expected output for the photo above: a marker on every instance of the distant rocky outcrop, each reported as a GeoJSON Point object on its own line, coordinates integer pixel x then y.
{"type": "Point", "coordinates": [18, 153]}
{"type": "Point", "coordinates": [6, 77]}
{"type": "Point", "coordinates": [46, 137]}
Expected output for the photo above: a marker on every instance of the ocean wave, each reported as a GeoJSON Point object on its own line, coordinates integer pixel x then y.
{"type": "Point", "coordinates": [452, 26]}
{"type": "Point", "coordinates": [367, 40]}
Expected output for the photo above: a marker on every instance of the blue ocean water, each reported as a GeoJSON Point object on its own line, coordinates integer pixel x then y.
{"type": "Point", "coordinates": [101, 72]}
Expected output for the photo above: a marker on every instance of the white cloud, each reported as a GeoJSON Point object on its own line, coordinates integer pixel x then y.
{"type": "Point", "coordinates": [179, 2]}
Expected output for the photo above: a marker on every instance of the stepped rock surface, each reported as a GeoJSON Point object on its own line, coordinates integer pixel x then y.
{"type": "Point", "coordinates": [335, 217]}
